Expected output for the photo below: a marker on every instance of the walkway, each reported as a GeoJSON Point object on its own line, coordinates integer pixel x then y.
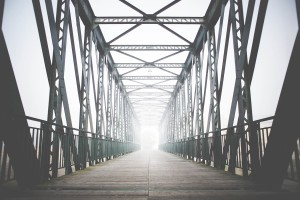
{"type": "Point", "coordinates": [150, 175]}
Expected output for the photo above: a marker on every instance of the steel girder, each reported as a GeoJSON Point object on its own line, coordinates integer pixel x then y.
{"type": "Point", "coordinates": [242, 89]}
{"type": "Point", "coordinates": [149, 65]}
{"type": "Point", "coordinates": [99, 101]}
{"type": "Point", "coordinates": [149, 86]}
{"type": "Point", "coordinates": [14, 131]}
{"type": "Point", "coordinates": [149, 47]}
{"type": "Point", "coordinates": [148, 77]}
{"type": "Point", "coordinates": [84, 97]}
{"type": "Point", "coordinates": [279, 150]}
{"type": "Point", "coordinates": [149, 19]}
{"type": "Point", "coordinates": [214, 101]}
{"type": "Point", "coordinates": [160, 94]}
{"type": "Point", "coordinates": [178, 118]}
{"type": "Point", "coordinates": [249, 73]}
{"type": "Point", "coordinates": [189, 106]}
{"type": "Point", "coordinates": [203, 146]}
{"type": "Point", "coordinates": [109, 107]}
{"type": "Point", "coordinates": [58, 94]}
{"type": "Point", "coordinates": [115, 111]}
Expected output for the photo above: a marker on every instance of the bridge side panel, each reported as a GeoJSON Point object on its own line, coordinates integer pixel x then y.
{"type": "Point", "coordinates": [14, 131]}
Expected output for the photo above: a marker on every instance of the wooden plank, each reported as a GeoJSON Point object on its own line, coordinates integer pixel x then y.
{"type": "Point", "coordinates": [150, 175]}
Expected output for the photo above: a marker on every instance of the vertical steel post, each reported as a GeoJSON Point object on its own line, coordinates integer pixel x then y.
{"type": "Point", "coordinates": [249, 74]}
{"type": "Point", "coordinates": [200, 124]}
{"type": "Point", "coordinates": [215, 107]}
{"type": "Point", "coordinates": [58, 93]}
{"type": "Point", "coordinates": [115, 111]}
{"type": "Point", "coordinates": [183, 111]}
{"type": "Point", "coordinates": [99, 105]}
{"type": "Point", "coordinates": [242, 86]}
{"type": "Point", "coordinates": [84, 99]}
{"type": "Point", "coordinates": [189, 105]}
{"type": "Point", "coordinates": [109, 115]}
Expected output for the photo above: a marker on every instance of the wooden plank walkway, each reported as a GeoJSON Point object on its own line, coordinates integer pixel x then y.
{"type": "Point", "coordinates": [149, 175]}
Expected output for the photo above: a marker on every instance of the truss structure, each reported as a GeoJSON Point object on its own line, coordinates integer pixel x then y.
{"type": "Point", "coordinates": [148, 77]}
{"type": "Point", "coordinates": [149, 19]}
{"type": "Point", "coordinates": [185, 97]}
{"type": "Point", "coordinates": [149, 47]}
{"type": "Point", "coordinates": [149, 65]}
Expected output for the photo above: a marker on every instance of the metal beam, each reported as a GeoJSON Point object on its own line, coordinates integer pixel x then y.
{"type": "Point", "coordinates": [148, 77]}
{"type": "Point", "coordinates": [149, 19]}
{"type": "Point", "coordinates": [149, 94]}
{"type": "Point", "coordinates": [42, 36]}
{"type": "Point", "coordinates": [149, 99]}
{"type": "Point", "coordinates": [148, 86]}
{"type": "Point", "coordinates": [257, 37]}
{"type": "Point", "coordinates": [129, 55]}
{"type": "Point", "coordinates": [166, 7]}
{"type": "Point", "coordinates": [137, 25]}
{"type": "Point", "coordinates": [285, 128]}
{"type": "Point", "coordinates": [87, 15]}
{"type": "Point", "coordinates": [15, 132]}
{"type": "Point", "coordinates": [150, 47]}
{"type": "Point", "coordinates": [1, 12]}
{"type": "Point", "coordinates": [58, 93]}
{"type": "Point", "coordinates": [147, 16]}
{"type": "Point", "coordinates": [133, 7]}
{"type": "Point", "coordinates": [148, 65]}
{"type": "Point", "coordinates": [124, 33]}
{"type": "Point", "coordinates": [212, 14]}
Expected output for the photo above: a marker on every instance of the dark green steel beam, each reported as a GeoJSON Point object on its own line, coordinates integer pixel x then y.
{"type": "Point", "coordinates": [149, 47]}
{"type": "Point", "coordinates": [285, 128]}
{"type": "Point", "coordinates": [14, 131]}
{"type": "Point", "coordinates": [149, 19]}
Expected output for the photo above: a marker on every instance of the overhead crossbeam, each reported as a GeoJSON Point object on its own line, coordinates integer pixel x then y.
{"type": "Point", "coordinates": [149, 19]}
{"type": "Point", "coordinates": [149, 86]}
{"type": "Point", "coordinates": [148, 94]}
{"type": "Point", "coordinates": [149, 65]}
{"type": "Point", "coordinates": [148, 77]}
{"type": "Point", "coordinates": [138, 10]}
{"type": "Point", "coordinates": [154, 101]}
{"type": "Point", "coordinates": [150, 47]}
{"type": "Point", "coordinates": [150, 99]}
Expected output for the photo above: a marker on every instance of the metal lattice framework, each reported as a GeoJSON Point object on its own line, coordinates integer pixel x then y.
{"type": "Point", "coordinates": [149, 65]}
{"type": "Point", "coordinates": [115, 98]}
{"type": "Point", "coordinates": [149, 47]}
{"type": "Point", "coordinates": [149, 19]}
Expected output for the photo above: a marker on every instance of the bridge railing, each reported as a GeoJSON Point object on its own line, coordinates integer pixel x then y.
{"type": "Point", "coordinates": [236, 158]}
{"type": "Point", "coordinates": [6, 171]}
{"type": "Point", "coordinates": [73, 149]}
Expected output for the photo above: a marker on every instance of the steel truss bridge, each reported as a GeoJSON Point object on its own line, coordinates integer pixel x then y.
{"type": "Point", "coordinates": [112, 102]}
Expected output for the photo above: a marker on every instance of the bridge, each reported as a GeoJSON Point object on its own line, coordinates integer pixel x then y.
{"type": "Point", "coordinates": [90, 88]}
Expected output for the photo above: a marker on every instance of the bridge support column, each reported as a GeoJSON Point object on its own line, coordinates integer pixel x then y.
{"type": "Point", "coordinates": [14, 131]}
{"type": "Point", "coordinates": [285, 129]}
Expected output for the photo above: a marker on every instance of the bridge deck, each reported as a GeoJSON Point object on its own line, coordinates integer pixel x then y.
{"type": "Point", "coordinates": [150, 175]}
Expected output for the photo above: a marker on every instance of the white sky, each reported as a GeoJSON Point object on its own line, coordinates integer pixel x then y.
{"type": "Point", "coordinates": [22, 38]}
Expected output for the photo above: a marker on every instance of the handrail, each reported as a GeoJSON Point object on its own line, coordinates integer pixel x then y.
{"type": "Point", "coordinates": [231, 127]}
{"type": "Point", "coordinates": [63, 148]}
{"type": "Point", "coordinates": [63, 126]}
{"type": "Point", "coordinates": [237, 160]}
